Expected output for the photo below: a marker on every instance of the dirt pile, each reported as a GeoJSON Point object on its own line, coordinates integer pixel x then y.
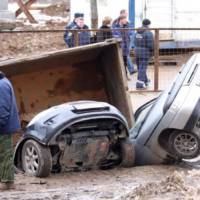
{"type": "Point", "coordinates": [60, 9]}
{"type": "Point", "coordinates": [7, 25]}
{"type": "Point", "coordinates": [175, 186]}
{"type": "Point", "coordinates": [22, 44]}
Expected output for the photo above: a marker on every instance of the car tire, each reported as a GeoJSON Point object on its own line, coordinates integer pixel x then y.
{"type": "Point", "coordinates": [127, 153]}
{"type": "Point", "coordinates": [184, 145]}
{"type": "Point", "coordinates": [36, 159]}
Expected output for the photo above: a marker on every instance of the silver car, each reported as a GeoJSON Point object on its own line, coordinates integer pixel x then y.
{"type": "Point", "coordinates": [167, 128]}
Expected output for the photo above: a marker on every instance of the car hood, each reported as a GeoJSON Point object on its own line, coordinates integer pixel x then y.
{"type": "Point", "coordinates": [44, 125]}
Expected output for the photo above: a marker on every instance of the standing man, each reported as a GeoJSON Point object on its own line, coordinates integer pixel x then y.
{"type": "Point", "coordinates": [78, 24]}
{"type": "Point", "coordinates": [123, 13]}
{"type": "Point", "coordinates": [127, 59]}
{"type": "Point", "coordinates": [144, 45]}
{"type": "Point", "coordinates": [124, 35]}
{"type": "Point", "coordinates": [9, 124]}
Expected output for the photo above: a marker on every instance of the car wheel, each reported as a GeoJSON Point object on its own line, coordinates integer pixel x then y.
{"type": "Point", "coordinates": [36, 159]}
{"type": "Point", "coordinates": [127, 153]}
{"type": "Point", "coordinates": [184, 145]}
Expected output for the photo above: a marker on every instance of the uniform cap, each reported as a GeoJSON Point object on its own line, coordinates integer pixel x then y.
{"type": "Point", "coordinates": [77, 15]}
{"type": "Point", "coordinates": [146, 22]}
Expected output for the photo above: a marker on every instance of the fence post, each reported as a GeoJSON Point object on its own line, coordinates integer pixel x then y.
{"type": "Point", "coordinates": [76, 40]}
{"type": "Point", "coordinates": [156, 60]}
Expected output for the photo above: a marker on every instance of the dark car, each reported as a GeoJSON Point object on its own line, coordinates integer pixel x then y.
{"type": "Point", "coordinates": [167, 128]}
{"type": "Point", "coordinates": [75, 136]}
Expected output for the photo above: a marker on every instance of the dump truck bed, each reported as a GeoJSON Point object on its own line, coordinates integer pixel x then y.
{"type": "Point", "coordinates": [92, 72]}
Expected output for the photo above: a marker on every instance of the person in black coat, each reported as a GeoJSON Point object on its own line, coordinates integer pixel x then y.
{"type": "Point", "coordinates": [105, 30]}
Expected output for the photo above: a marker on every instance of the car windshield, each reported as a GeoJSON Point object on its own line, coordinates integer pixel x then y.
{"type": "Point", "coordinates": [140, 117]}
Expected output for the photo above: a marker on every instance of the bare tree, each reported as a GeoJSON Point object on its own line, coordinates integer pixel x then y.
{"type": "Point", "coordinates": [103, 2]}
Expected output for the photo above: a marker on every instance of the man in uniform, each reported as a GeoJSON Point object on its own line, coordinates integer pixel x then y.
{"type": "Point", "coordinates": [77, 24]}
{"type": "Point", "coordinates": [144, 44]}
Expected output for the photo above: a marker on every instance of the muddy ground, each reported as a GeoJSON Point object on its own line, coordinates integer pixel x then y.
{"type": "Point", "coordinates": [138, 183]}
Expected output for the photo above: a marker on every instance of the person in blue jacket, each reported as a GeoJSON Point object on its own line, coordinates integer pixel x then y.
{"type": "Point", "coordinates": [144, 45]}
{"type": "Point", "coordinates": [125, 36]}
{"type": "Point", "coordinates": [128, 60]}
{"type": "Point", "coordinates": [83, 36]}
{"type": "Point", "coordinates": [9, 124]}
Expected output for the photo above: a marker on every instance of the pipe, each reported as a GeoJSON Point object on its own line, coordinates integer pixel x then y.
{"type": "Point", "coordinates": [132, 13]}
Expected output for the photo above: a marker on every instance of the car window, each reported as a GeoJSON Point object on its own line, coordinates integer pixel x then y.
{"type": "Point", "coordinates": [140, 117]}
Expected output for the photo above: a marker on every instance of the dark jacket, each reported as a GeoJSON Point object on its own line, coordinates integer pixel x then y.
{"type": "Point", "coordinates": [83, 36]}
{"type": "Point", "coordinates": [144, 43]}
{"type": "Point", "coordinates": [103, 35]}
{"type": "Point", "coordinates": [9, 119]}
{"type": "Point", "coordinates": [125, 36]}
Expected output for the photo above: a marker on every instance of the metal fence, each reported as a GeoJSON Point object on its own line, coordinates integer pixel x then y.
{"type": "Point", "coordinates": [172, 48]}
